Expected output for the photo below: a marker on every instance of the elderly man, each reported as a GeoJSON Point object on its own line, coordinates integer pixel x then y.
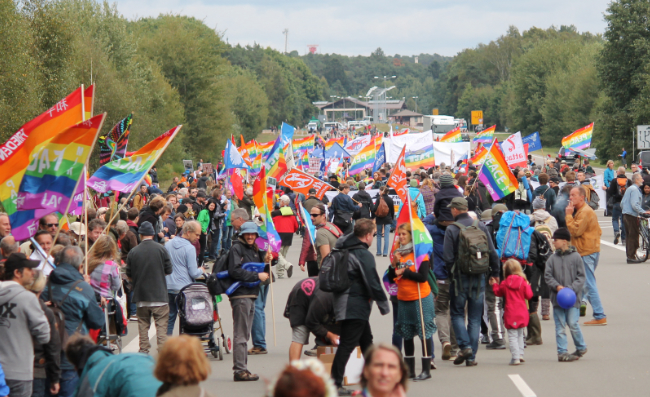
{"type": "Point", "coordinates": [185, 268]}
{"type": "Point", "coordinates": [631, 206]}
{"type": "Point", "coordinates": [582, 223]}
{"type": "Point", "coordinates": [5, 225]}
{"type": "Point", "coordinates": [48, 223]}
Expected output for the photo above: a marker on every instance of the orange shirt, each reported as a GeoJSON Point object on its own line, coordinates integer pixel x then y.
{"type": "Point", "coordinates": [407, 290]}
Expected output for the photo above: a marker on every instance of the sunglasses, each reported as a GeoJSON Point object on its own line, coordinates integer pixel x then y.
{"type": "Point", "coordinates": [315, 215]}
{"type": "Point", "coordinates": [52, 225]}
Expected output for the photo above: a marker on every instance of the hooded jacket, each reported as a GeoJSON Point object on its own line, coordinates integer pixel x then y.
{"type": "Point", "coordinates": [437, 233]}
{"type": "Point", "coordinates": [443, 198]}
{"type": "Point", "coordinates": [542, 216]}
{"type": "Point", "coordinates": [565, 268]}
{"type": "Point", "coordinates": [516, 290]}
{"type": "Point", "coordinates": [365, 285]}
{"type": "Point", "coordinates": [147, 265]}
{"type": "Point", "coordinates": [184, 268]}
{"type": "Point", "coordinates": [21, 318]}
{"type": "Point", "coordinates": [241, 253]}
{"type": "Point", "coordinates": [80, 307]}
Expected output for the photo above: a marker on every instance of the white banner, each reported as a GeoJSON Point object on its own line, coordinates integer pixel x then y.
{"type": "Point", "coordinates": [354, 146]}
{"type": "Point", "coordinates": [413, 142]}
{"type": "Point", "coordinates": [596, 182]}
{"type": "Point", "coordinates": [450, 152]}
{"type": "Point", "coordinates": [513, 150]}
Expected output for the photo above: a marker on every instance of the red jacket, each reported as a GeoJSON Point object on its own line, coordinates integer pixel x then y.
{"type": "Point", "coordinates": [285, 223]}
{"type": "Point", "coordinates": [516, 291]}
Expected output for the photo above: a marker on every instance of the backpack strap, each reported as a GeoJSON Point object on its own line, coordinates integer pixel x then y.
{"type": "Point", "coordinates": [60, 303]}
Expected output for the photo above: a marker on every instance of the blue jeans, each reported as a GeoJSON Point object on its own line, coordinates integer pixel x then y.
{"type": "Point", "coordinates": [67, 382]}
{"type": "Point", "coordinates": [173, 310]}
{"type": "Point", "coordinates": [215, 244]}
{"type": "Point", "coordinates": [591, 288]}
{"type": "Point", "coordinates": [38, 387]}
{"type": "Point", "coordinates": [226, 236]}
{"type": "Point", "coordinates": [563, 318]}
{"type": "Point", "coordinates": [383, 231]}
{"type": "Point", "coordinates": [258, 332]}
{"type": "Point", "coordinates": [474, 299]}
{"type": "Point", "coordinates": [617, 220]}
{"type": "Point", "coordinates": [132, 305]}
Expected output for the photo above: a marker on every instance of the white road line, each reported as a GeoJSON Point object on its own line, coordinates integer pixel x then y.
{"type": "Point", "coordinates": [618, 247]}
{"type": "Point", "coordinates": [523, 387]}
{"type": "Point", "coordinates": [134, 345]}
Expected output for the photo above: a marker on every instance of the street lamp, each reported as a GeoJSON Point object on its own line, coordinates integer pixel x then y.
{"type": "Point", "coordinates": [416, 103]}
{"type": "Point", "coordinates": [384, 112]}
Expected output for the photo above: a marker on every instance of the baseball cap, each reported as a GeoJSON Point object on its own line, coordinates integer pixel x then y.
{"type": "Point", "coordinates": [312, 191]}
{"type": "Point", "coordinates": [17, 261]}
{"type": "Point", "coordinates": [459, 203]}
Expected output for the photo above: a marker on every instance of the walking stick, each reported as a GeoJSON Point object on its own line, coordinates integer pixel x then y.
{"type": "Point", "coordinates": [275, 342]}
{"type": "Point", "coordinates": [424, 334]}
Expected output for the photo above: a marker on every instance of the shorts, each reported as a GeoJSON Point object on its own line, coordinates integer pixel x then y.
{"type": "Point", "coordinates": [300, 334]}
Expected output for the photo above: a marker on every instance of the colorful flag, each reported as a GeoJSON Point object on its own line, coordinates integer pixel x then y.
{"type": "Point", "coordinates": [260, 199]}
{"type": "Point", "coordinates": [331, 142]}
{"type": "Point", "coordinates": [356, 145]}
{"type": "Point", "coordinates": [14, 153]}
{"type": "Point", "coordinates": [397, 178]}
{"type": "Point", "coordinates": [309, 225]}
{"type": "Point", "coordinates": [365, 159]}
{"type": "Point", "coordinates": [401, 132]}
{"type": "Point", "coordinates": [89, 102]}
{"type": "Point", "coordinates": [452, 136]}
{"type": "Point", "coordinates": [257, 163]}
{"type": "Point", "coordinates": [496, 175]}
{"type": "Point", "coordinates": [533, 141]}
{"type": "Point", "coordinates": [304, 162]}
{"type": "Point", "coordinates": [420, 237]}
{"type": "Point", "coordinates": [579, 139]}
{"type": "Point", "coordinates": [485, 136]}
{"type": "Point", "coordinates": [304, 144]}
{"type": "Point", "coordinates": [77, 205]}
{"type": "Point", "coordinates": [286, 133]}
{"type": "Point", "coordinates": [275, 162]}
{"type": "Point", "coordinates": [380, 158]}
{"type": "Point", "coordinates": [479, 156]}
{"type": "Point", "coordinates": [265, 148]}
{"type": "Point", "coordinates": [422, 157]}
{"type": "Point", "coordinates": [113, 146]}
{"type": "Point", "coordinates": [301, 182]}
{"type": "Point", "coordinates": [233, 158]}
{"type": "Point", "coordinates": [249, 150]}
{"type": "Point", "coordinates": [51, 178]}
{"type": "Point", "coordinates": [125, 174]}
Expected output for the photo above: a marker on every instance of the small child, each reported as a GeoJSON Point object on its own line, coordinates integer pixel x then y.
{"type": "Point", "coordinates": [564, 269]}
{"type": "Point", "coordinates": [516, 289]}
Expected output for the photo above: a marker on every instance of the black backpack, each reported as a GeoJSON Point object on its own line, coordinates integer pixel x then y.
{"type": "Point", "coordinates": [333, 275]}
{"type": "Point", "coordinates": [215, 285]}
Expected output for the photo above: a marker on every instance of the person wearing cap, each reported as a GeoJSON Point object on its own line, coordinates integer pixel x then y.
{"type": "Point", "coordinates": [565, 269]}
{"type": "Point", "coordinates": [311, 200]}
{"type": "Point", "coordinates": [343, 209]}
{"type": "Point", "coordinates": [447, 192]}
{"type": "Point", "coordinates": [21, 319]}
{"type": "Point", "coordinates": [147, 265]}
{"type": "Point", "coordinates": [185, 269]}
{"type": "Point", "coordinates": [77, 301]}
{"type": "Point", "coordinates": [78, 230]}
{"type": "Point", "coordinates": [466, 291]}
{"type": "Point", "coordinates": [242, 300]}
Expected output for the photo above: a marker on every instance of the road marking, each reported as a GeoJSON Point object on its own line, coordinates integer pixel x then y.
{"type": "Point", "coordinates": [134, 345]}
{"type": "Point", "coordinates": [523, 387]}
{"type": "Point", "coordinates": [607, 243]}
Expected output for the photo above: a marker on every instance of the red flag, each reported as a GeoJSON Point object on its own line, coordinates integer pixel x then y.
{"type": "Point", "coordinates": [397, 178]}
{"type": "Point", "coordinates": [301, 182]}
{"type": "Point", "coordinates": [237, 184]}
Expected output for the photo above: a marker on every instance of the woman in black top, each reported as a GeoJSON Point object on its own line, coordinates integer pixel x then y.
{"type": "Point", "coordinates": [384, 220]}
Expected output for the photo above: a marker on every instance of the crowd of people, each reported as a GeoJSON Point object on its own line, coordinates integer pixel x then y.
{"type": "Point", "coordinates": [474, 288]}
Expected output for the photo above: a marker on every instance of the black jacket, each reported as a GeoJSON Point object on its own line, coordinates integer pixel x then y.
{"type": "Point", "coordinates": [147, 265]}
{"type": "Point", "coordinates": [366, 201]}
{"type": "Point", "coordinates": [388, 219]}
{"type": "Point", "coordinates": [241, 253]}
{"type": "Point", "coordinates": [612, 191]}
{"type": "Point", "coordinates": [47, 357]}
{"type": "Point", "coordinates": [247, 204]}
{"type": "Point", "coordinates": [451, 245]}
{"type": "Point", "coordinates": [443, 198]}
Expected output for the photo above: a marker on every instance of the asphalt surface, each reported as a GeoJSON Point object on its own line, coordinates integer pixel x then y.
{"type": "Point", "coordinates": [616, 362]}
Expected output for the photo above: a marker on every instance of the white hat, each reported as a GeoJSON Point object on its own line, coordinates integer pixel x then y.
{"type": "Point", "coordinates": [78, 228]}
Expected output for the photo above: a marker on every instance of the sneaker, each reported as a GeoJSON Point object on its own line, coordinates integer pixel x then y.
{"type": "Point", "coordinates": [579, 353]}
{"type": "Point", "coordinates": [566, 357]}
{"type": "Point", "coordinates": [618, 235]}
{"type": "Point", "coordinates": [245, 376]}
{"type": "Point", "coordinates": [485, 340]}
{"type": "Point", "coordinates": [385, 256]}
{"type": "Point", "coordinates": [521, 360]}
{"type": "Point", "coordinates": [583, 309]}
{"type": "Point", "coordinates": [257, 350]}
{"type": "Point", "coordinates": [342, 391]}
{"type": "Point", "coordinates": [471, 363]}
{"type": "Point", "coordinates": [290, 271]}
{"type": "Point", "coordinates": [515, 362]}
{"type": "Point", "coordinates": [311, 353]}
{"type": "Point", "coordinates": [546, 317]}
{"type": "Point", "coordinates": [602, 321]}
{"type": "Point", "coordinates": [378, 254]}
{"type": "Point", "coordinates": [463, 355]}
{"type": "Point", "coordinates": [446, 351]}
{"type": "Point", "coordinates": [496, 345]}
{"type": "Point", "coordinates": [133, 318]}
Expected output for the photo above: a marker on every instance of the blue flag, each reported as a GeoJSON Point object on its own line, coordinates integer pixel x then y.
{"type": "Point", "coordinates": [533, 141]}
{"type": "Point", "coordinates": [337, 152]}
{"type": "Point", "coordinates": [286, 132]}
{"type": "Point", "coordinates": [380, 158]}
{"type": "Point", "coordinates": [309, 225]}
{"type": "Point", "coordinates": [233, 157]}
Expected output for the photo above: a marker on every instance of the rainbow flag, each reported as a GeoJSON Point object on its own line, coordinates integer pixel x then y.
{"type": "Point", "coordinates": [420, 158]}
{"type": "Point", "coordinates": [422, 241]}
{"type": "Point", "coordinates": [452, 136]}
{"type": "Point", "coordinates": [261, 201]}
{"type": "Point", "coordinates": [77, 205]}
{"type": "Point", "coordinates": [496, 175]}
{"type": "Point", "coordinates": [365, 159]}
{"type": "Point", "coordinates": [330, 142]}
{"type": "Point", "coordinates": [249, 150]}
{"type": "Point", "coordinates": [51, 179]}
{"type": "Point", "coordinates": [257, 163]}
{"type": "Point", "coordinates": [265, 148]}
{"type": "Point", "coordinates": [275, 161]}
{"type": "Point", "coordinates": [579, 139]}
{"type": "Point", "coordinates": [479, 156]}
{"type": "Point", "coordinates": [485, 136]}
{"type": "Point", "coordinates": [304, 162]}
{"type": "Point", "coordinates": [89, 102]}
{"type": "Point", "coordinates": [15, 152]}
{"type": "Point", "coordinates": [126, 174]}
{"type": "Point", "coordinates": [304, 144]}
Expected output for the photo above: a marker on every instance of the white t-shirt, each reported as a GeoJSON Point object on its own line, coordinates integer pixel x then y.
{"type": "Point", "coordinates": [44, 266]}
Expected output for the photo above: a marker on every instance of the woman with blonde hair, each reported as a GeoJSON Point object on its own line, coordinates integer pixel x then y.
{"type": "Point", "coordinates": [609, 174]}
{"type": "Point", "coordinates": [181, 366]}
{"type": "Point", "coordinates": [103, 267]}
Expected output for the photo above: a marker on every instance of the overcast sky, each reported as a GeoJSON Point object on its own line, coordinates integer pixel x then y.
{"type": "Point", "coordinates": [406, 27]}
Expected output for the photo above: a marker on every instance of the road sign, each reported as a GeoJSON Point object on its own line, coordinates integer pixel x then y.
{"type": "Point", "coordinates": [477, 117]}
{"type": "Point", "coordinates": [434, 112]}
{"type": "Point", "coordinates": [643, 136]}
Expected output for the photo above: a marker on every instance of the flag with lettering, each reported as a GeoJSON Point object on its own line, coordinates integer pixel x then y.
{"type": "Point", "coordinates": [496, 175]}
{"type": "Point", "coordinates": [301, 182]}
{"type": "Point", "coordinates": [397, 178]}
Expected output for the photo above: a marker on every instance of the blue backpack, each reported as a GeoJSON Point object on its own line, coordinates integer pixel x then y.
{"type": "Point", "coordinates": [514, 235]}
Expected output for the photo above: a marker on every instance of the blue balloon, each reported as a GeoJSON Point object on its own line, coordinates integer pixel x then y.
{"type": "Point", "coordinates": [566, 298]}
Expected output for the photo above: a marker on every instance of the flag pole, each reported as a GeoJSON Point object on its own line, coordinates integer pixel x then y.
{"type": "Point", "coordinates": [275, 342]}
{"type": "Point", "coordinates": [424, 335]}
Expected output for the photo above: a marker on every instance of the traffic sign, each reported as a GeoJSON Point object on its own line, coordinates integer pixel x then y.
{"type": "Point", "coordinates": [643, 136]}
{"type": "Point", "coordinates": [477, 117]}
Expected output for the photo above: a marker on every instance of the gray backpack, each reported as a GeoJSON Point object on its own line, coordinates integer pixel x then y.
{"type": "Point", "coordinates": [473, 250]}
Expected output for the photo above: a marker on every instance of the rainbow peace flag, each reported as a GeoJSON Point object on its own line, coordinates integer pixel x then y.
{"type": "Point", "coordinates": [330, 142]}
{"type": "Point", "coordinates": [304, 162]}
{"type": "Point", "coordinates": [496, 175]}
{"type": "Point", "coordinates": [479, 156]}
{"type": "Point", "coordinates": [275, 162]}
{"type": "Point", "coordinates": [249, 149]}
{"type": "Point", "coordinates": [420, 158]}
{"type": "Point", "coordinates": [126, 174]}
{"type": "Point", "coordinates": [15, 152]}
{"type": "Point", "coordinates": [89, 102]}
{"type": "Point", "coordinates": [261, 199]}
{"type": "Point", "coordinates": [452, 136]}
{"type": "Point", "coordinates": [420, 237]}
{"type": "Point", "coordinates": [579, 139]}
{"type": "Point", "coordinates": [303, 144]}
{"type": "Point", "coordinates": [365, 159]}
{"type": "Point", "coordinates": [485, 136]}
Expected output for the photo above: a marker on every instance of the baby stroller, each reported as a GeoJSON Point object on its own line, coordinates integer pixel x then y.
{"type": "Point", "coordinates": [196, 313]}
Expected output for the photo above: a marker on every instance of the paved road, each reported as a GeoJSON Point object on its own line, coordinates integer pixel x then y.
{"type": "Point", "coordinates": [617, 362]}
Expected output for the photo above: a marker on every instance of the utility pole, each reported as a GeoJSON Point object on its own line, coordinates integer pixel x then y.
{"type": "Point", "coordinates": [285, 32]}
